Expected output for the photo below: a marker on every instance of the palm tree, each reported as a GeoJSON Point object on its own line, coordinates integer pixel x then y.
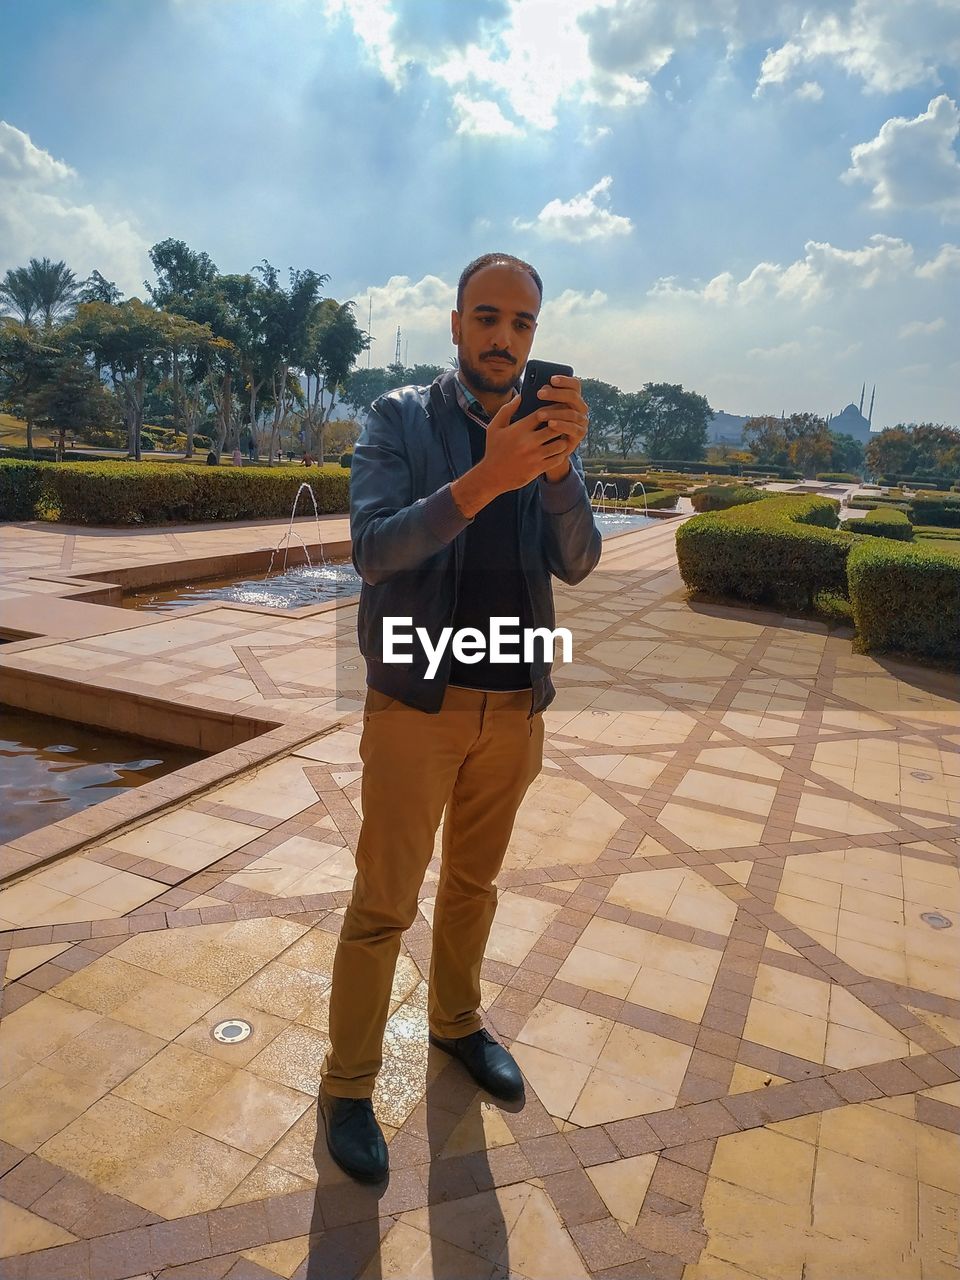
{"type": "Point", "coordinates": [17, 295]}
{"type": "Point", "coordinates": [54, 288]}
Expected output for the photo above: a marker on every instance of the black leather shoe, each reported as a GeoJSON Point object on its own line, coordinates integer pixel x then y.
{"type": "Point", "coordinates": [487, 1061]}
{"type": "Point", "coordinates": [354, 1138]}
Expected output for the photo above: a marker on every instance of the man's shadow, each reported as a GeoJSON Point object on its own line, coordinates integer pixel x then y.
{"type": "Point", "coordinates": [464, 1217]}
{"type": "Point", "coordinates": [463, 1228]}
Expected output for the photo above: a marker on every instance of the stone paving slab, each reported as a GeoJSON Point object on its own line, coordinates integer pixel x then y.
{"type": "Point", "coordinates": [741, 1039]}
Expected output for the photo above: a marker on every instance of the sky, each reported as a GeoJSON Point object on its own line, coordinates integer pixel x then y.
{"type": "Point", "coordinates": [759, 199]}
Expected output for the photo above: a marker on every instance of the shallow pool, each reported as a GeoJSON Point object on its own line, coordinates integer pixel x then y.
{"type": "Point", "coordinates": [619, 522]}
{"type": "Point", "coordinates": [52, 768]}
{"type": "Point", "coordinates": [294, 589]}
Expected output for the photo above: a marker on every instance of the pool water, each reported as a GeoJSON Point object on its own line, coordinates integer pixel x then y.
{"type": "Point", "coordinates": [618, 522]}
{"type": "Point", "coordinates": [51, 768]}
{"type": "Point", "coordinates": [304, 586]}
{"type": "Point", "coordinates": [294, 589]}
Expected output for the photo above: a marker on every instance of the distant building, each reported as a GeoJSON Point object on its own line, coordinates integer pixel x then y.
{"type": "Point", "coordinates": [726, 428]}
{"type": "Point", "coordinates": [851, 422]}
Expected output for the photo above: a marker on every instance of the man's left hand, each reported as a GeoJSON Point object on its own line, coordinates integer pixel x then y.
{"type": "Point", "coordinates": [570, 422]}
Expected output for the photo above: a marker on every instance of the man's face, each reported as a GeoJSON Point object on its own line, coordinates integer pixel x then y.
{"type": "Point", "coordinates": [494, 332]}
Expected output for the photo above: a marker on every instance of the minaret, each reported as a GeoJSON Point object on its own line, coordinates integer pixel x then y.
{"type": "Point", "coordinates": [872, 395]}
{"type": "Point", "coordinates": [863, 392]}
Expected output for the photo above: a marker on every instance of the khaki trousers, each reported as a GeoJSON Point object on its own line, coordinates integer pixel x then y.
{"type": "Point", "coordinates": [477, 756]}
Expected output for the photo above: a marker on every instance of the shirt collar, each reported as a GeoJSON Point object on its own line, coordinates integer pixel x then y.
{"type": "Point", "coordinates": [469, 403]}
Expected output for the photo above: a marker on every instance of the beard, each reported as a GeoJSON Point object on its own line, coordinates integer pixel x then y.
{"type": "Point", "coordinates": [484, 377]}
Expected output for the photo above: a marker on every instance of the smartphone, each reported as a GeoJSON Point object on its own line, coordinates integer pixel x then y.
{"type": "Point", "coordinates": [536, 375]}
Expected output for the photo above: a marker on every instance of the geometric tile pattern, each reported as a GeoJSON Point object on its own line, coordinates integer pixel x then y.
{"type": "Point", "coordinates": [741, 1040]}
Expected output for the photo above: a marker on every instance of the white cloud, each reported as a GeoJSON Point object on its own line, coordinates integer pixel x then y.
{"type": "Point", "coordinates": [527, 56]}
{"type": "Point", "coordinates": [41, 216]}
{"type": "Point", "coordinates": [821, 272]}
{"type": "Point", "coordinates": [21, 161]}
{"type": "Point", "coordinates": [948, 258]}
{"type": "Point", "coordinates": [800, 335]}
{"type": "Point", "coordinates": [583, 217]}
{"type": "Point", "coordinates": [915, 328]}
{"type": "Point", "coordinates": [809, 91]}
{"type": "Point", "coordinates": [481, 118]}
{"type": "Point", "coordinates": [912, 164]}
{"type": "Point", "coordinates": [888, 46]}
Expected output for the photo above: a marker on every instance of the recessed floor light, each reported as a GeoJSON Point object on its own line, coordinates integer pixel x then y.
{"type": "Point", "coordinates": [233, 1031]}
{"type": "Point", "coordinates": [935, 920]}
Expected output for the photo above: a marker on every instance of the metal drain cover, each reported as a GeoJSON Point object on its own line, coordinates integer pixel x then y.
{"type": "Point", "coordinates": [935, 920]}
{"type": "Point", "coordinates": [921, 776]}
{"type": "Point", "coordinates": [232, 1031]}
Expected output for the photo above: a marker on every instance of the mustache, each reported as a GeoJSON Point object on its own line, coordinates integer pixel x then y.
{"type": "Point", "coordinates": [498, 355]}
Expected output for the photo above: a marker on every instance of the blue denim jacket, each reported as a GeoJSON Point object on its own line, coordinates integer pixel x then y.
{"type": "Point", "coordinates": [408, 536]}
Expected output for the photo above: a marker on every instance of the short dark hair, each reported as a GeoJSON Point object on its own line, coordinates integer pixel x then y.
{"type": "Point", "coordinates": [496, 260]}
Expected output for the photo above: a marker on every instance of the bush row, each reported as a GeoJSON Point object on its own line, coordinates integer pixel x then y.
{"type": "Point", "coordinates": [656, 500]}
{"type": "Point", "coordinates": [944, 511]}
{"type": "Point", "coordinates": [155, 493]}
{"type": "Point", "coordinates": [840, 476]}
{"type": "Point", "coordinates": [780, 551]}
{"type": "Point", "coordinates": [786, 551]}
{"type": "Point", "coordinates": [718, 497]}
{"type": "Point", "coordinates": [15, 453]}
{"type": "Point", "coordinates": [906, 599]}
{"type": "Point", "coordinates": [883, 522]}
{"type": "Point", "coordinates": [917, 482]}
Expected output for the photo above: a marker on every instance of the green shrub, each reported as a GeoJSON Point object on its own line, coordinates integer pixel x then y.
{"type": "Point", "coordinates": [833, 608]}
{"type": "Point", "coordinates": [906, 599]}
{"type": "Point", "coordinates": [782, 550]}
{"type": "Point", "coordinates": [943, 511]}
{"type": "Point", "coordinates": [657, 500]}
{"type": "Point", "coordinates": [840, 476]}
{"type": "Point", "coordinates": [872, 503]}
{"type": "Point", "coordinates": [346, 459]}
{"type": "Point", "coordinates": [158, 493]}
{"type": "Point", "coordinates": [718, 497]}
{"type": "Point", "coordinates": [918, 482]}
{"type": "Point", "coordinates": [20, 484]}
{"type": "Point", "coordinates": [50, 455]}
{"type": "Point", "coordinates": [882, 522]}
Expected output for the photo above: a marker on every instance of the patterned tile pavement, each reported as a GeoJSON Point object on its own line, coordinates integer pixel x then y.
{"type": "Point", "coordinates": [740, 1036]}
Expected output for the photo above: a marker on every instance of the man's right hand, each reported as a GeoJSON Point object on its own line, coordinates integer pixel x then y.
{"type": "Point", "coordinates": [516, 453]}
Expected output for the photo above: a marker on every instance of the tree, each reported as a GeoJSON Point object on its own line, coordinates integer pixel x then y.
{"type": "Point", "coordinates": [26, 359]}
{"type": "Point", "coordinates": [766, 438]}
{"type": "Point", "coordinates": [603, 401]}
{"type": "Point", "coordinates": [847, 453]}
{"type": "Point", "coordinates": [181, 274]}
{"type": "Point", "coordinates": [362, 386]}
{"type": "Point", "coordinates": [288, 316]}
{"type": "Point", "coordinates": [51, 289]}
{"type": "Point", "coordinates": [130, 340]}
{"type": "Point", "coordinates": [333, 343]}
{"type": "Point", "coordinates": [17, 297]}
{"type": "Point", "coordinates": [99, 289]}
{"type": "Point", "coordinates": [70, 398]}
{"type": "Point", "coordinates": [809, 447]}
{"type": "Point", "coordinates": [674, 421]}
{"type": "Point", "coordinates": [889, 454]}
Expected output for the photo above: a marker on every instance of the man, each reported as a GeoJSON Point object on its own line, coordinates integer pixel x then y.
{"type": "Point", "coordinates": [457, 516]}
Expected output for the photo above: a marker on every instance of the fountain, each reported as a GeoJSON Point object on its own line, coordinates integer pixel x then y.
{"type": "Point", "coordinates": [644, 492]}
{"type": "Point", "coordinates": [291, 533]}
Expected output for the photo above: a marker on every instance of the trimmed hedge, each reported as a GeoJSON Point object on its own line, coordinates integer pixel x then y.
{"type": "Point", "coordinates": [918, 482]}
{"type": "Point", "coordinates": [657, 500]}
{"type": "Point", "coordinates": [50, 455]}
{"type": "Point", "coordinates": [156, 493]}
{"type": "Point", "coordinates": [906, 599]}
{"type": "Point", "coordinates": [882, 523]}
{"type": "Point", "coordinates": [782, 550]}
{"type": "Point", "coordinates": [718, 497]}
{"type": "Point", "coordinates": [20, 485]}
{"type": "Point", "coordinates": [873, 504]}
{"type": "Point", "coordinates": [843, 476]}
{"type": "Point", "coordinates": [943, 511]}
